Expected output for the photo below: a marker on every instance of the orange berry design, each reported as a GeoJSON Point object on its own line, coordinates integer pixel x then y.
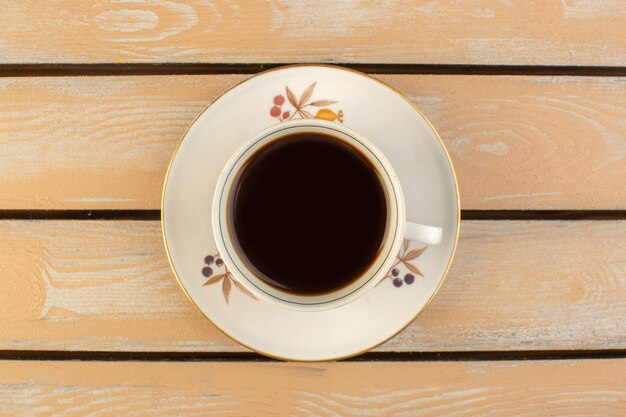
{"type": "Point", "coordinates": [331, 116]}
{"type": "Point", "coordinates": [300, 105]}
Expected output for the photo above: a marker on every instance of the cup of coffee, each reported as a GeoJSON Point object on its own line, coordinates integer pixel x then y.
{"type": "Point", "coordinates": [311, 215]}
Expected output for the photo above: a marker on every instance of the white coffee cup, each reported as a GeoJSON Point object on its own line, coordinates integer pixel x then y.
{"type": "Point", "coordinates": [397, 228]}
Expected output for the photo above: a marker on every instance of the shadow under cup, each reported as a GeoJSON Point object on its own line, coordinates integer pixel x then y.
{"type": "Point", "coordinates": [308, 215]}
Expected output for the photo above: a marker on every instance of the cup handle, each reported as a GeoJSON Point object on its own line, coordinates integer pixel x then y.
{"type": "Point", "coordinates": [422, 233]}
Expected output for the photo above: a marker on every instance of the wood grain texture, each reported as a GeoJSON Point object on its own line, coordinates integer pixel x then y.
{"type": "Point", "coordinates": [454, 389]}
{"type": "Point", "coordinates": [551, 32]}
{"type": "Point", "coordinates": [514, 285]}
{"type": "Point", "coordinates": [517, 142]}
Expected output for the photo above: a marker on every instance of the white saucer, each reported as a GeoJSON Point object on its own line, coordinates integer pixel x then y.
{"type": "Point", "coordinates": [369, 107]}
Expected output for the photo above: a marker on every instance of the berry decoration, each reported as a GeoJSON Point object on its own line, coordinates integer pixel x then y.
{"type": "Point", "coordinates": [275, 112]}
{"type": "Point", "coordinates": [224, 277]}
{"type": "Point", "coordinates": [405, 262]}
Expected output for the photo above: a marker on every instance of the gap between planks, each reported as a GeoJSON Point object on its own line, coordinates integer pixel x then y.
{"type": "Point", "coordinates": [174, 356]}
{"type": "Point", "coordinates": [151, 215]}
{"type": "Point", "coordinates": [112, 69]}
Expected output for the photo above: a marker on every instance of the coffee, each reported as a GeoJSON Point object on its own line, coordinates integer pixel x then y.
{"type": "Point", "coordinates": [308, 213]}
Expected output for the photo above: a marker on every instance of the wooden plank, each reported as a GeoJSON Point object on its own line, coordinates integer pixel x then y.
{"type": "Point", "coordinates": [517, 142]}
{"type": "Point", "coordinates": [420, 389]}
{"type": "Point", "coordinates": [550, 32]}
{"type": "Point", "coordinates": [514, 285]}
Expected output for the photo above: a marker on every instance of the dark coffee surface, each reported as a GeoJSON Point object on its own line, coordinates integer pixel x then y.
{"type": "Point", "coordinates": [309, 213]}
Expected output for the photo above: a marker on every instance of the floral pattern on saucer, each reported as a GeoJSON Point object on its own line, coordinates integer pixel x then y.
{"type": "Point", "coordinates": [226, 278]}
{"type": "Point", "coordinates": [299, 105]}
{"type": "Point", "coordinates": [404, 259]}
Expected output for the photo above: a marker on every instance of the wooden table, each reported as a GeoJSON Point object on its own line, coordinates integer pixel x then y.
{"type": "Point", "coordinates": [530, 99]}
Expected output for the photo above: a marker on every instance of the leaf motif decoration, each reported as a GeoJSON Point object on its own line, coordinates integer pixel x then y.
{"type": "Point", "coordinates": [404, 258]}
{"type": "Point", "coordinates": [214, 280]}
{"type": "Point", "coordinates": [226, 288]}
{"type": "Point", "coordinates": [227, 279]}
{"type": "Point", "coordinates": [322, 103]}
{"type": "Point", "coordinates": [291, 97]}
{"type": "Point", "coordinates": [243, 289]}
{"type": "Point", "coordinates": [412, 268]}
{"type": "Point", "coordinates": [306, 95]}
{"type": "Point", "coordinates": [306, 114]}
{"type": "Point", "coordinates": [414, 253]}
{"type": "Point", "coordinates": [298, 106]}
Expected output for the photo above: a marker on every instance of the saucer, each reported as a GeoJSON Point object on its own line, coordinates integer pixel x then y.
{"type": "Point", "coordinates": [369, 107]}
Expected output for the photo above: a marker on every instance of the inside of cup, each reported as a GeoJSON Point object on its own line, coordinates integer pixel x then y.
{"type": "Point", "coordinates": [243, 269]}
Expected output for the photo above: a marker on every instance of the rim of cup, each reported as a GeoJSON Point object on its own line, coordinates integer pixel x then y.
{"type": "Point", "coordinates": [390, 246]}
